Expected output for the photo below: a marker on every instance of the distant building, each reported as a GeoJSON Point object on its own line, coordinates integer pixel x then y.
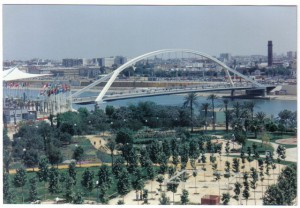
{"type": "Point", "coordinates": [291, 55]}
{"type": "Point", "coordinates": [72, 62]}
{"type": "Point", "coordinates": [226, 57]}
{"type": "Point", "coordinates": [120, 60]}
{"type": "Point", "coordinates": [106, 62]}
{"type": "Point", "coordinates": [270, 53]}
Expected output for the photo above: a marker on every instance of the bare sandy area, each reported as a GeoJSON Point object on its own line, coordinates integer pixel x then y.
{"type": "Point", "coordinates": [287, 141]}
{"type": "Point", "coordinates": [204, 183]}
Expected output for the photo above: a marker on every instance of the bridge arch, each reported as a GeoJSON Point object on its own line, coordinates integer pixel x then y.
{"type": "Point", "coordinates": [113, 75]}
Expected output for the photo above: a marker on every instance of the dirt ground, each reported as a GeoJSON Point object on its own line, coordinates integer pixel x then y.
{"type": "Point", "coordinates": [287, 141]}
{"type": "Point", "coordinates": [205, 184]}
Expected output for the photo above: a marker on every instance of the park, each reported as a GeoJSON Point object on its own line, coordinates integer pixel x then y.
{"type": "Point", "coordinates": [153, 154]}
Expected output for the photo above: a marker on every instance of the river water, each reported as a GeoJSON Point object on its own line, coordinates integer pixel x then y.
{"type": "Point", "coordinates": [270, 107]}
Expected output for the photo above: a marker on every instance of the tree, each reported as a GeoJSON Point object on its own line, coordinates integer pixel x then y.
{"type": "Point", "coordinates": [236, 166]}
{"type": "Point", "coordinates": [227, 172]}
{"type": "Point", "coordinates": [287, 182]}
{"type": "Point", "coordinates": [184, 197]}
{"type": "Point", "coordinates": [172, 186]}
{"type": "Point", "coordinates": [203, 160]}
{"type": "Point", "coordinates": [227, 149]}
{"type": "Point", "coordinates": [31, 158]}
{"type": "Point", "coordinates": [124, 183]}
{"type": "Point", "coordinates": [194, 152]}
{"type": "Point", "coordinates": [6, 159]}
{"type": "Point", "coordinates": [160, 179]}
{"type": "Point", "coordinates": [164, 200]}
{"type": "Point", "coordinates": [53, 181]}
{"type": "Point", "coordinates": [78, 199]}
{"type": "Point", "coordinates": [225, 198]}
{"type": "Point", "coordinates": [273, 196]}
{"type": "Point", "coordinates": [217, 176]}
{"type": "Point", "coordinates": [154, 150]}
{"type": "Point", "coordinates": [54, 155]}
{"type": "Point", "coordinates": [242, 156]}
{"type": "Point", "coordinates": [166, 146]}
{"type": "Point", "coordinates": [190, 100]}
{"type": "Point", "coordinates": [6, 186]}
{"type": "Point", "coordinates": [118, 166]}
{"type": "Point", "coordinates": [132, 160]}
{"type": "Point", "coordinates": [138, 182]}
{"type": "Point", "coordinates": [43, 172]}
{"type": "Point", "coordinates": [205, 107]}
{"type": "Point", "coordinates": [78, 154]}
{"type": "Point", "coordinates": [250, 105]}
{"type": "Point", "coordinates": [104, 181]}
{"type": "Point", "coordinates": [237, 191]}
{"type": "Point", "coordinates": [87, 181]}
{"type": "Point", "coordinates": [254, 180]}
{"type": "Point", "coordinates": [145, 196]}
{"type": "Point", "coordinates": [111, 145]}
{"type": "Point", "coordinates": [124, 136]}
{"type": "Point", "coordinates": [120, 202]}
{"type": "Point", "coordinates": [151, 173]}
{"type": "Point", "coordinates": [261, 173]}
{"type": "Point", "coordinates": [246, 193]}
{"type": "Point", "coordinates": [72, 171]}
{"type": "Point", "coordinates": [68, 191]}
{"type": "Point", "coordinates": [227, 113]}
{"type": "Point", "coordinates": [20, 180]}
{"type": "Point", "coordinates": [109, 110]}
{"type": "Point", "coordinates": [212, 97]}
{"type": "Point", "coordinates": [281, 154]}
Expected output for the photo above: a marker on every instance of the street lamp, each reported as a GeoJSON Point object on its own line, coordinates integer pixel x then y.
{"type": "Point", "coordinates": [24, 154]}
{"type": "Point", "coordinates": [233, 140]}
{"type": "Point", "coordinates": [97, 197]}
{"type": "Point", "coordinates": [75, 129]}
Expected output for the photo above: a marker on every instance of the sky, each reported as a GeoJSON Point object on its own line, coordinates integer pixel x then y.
{"type": "Point", "coordinates": [89, 31]}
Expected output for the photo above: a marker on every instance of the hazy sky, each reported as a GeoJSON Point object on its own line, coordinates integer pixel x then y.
{"type": "Point", "coordinates": [65, 31]}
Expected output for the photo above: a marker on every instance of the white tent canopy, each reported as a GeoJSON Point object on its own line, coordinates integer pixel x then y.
{"type": "Point", "coordinates": [15, 74]}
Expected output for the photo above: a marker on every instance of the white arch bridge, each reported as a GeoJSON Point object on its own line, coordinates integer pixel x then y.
{"type": "Point", "coordinates": [252, 85]}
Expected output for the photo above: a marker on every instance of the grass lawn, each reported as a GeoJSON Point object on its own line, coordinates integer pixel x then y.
{"type": "Point", "coordinates": [261, 148]}
{"type": "Point", "coordinates": [90, 151]}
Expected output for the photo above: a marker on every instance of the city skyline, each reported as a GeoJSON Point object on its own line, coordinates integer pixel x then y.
{"type": "Point", "coordinates": [33, 31]}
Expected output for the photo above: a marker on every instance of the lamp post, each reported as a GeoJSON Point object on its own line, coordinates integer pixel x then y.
{"type": "Point", "coordinates": [233, 140]}
{"type": "Point", "coordinates": [97, 197]}
{"type": "Point", "coordinates": [24, 154]}
{"type": "Point", "coordinates": [75, 129]}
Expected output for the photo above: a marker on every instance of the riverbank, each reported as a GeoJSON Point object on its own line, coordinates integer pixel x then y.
{"type": "Point", "coordinates": [201, 94]}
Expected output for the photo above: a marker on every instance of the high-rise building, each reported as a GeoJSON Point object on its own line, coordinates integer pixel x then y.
{"type": "Point", "coordinates": [225, 57]}
{"type": "Point", "coordinates": [71, 62]}
{"type": "Point", "coordinates": [270, 53]}
{"type": "Point", "coordinates": [291, 55]}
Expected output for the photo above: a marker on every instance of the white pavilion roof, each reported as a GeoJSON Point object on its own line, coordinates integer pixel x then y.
{"type": "Point", "coordinates": [16, 74]}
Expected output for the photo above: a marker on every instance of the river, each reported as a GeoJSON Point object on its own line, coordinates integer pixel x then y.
{"type": "Point", "coordinates": [270, 107]}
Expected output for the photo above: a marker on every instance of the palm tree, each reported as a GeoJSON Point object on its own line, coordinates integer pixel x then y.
{"type": "Point", "coordinates": [212, 97]}
{"type": "Point", "coordinates": [189, 101]}
{"type": "Point", "coordinates": [226, 113]}
{"type": "Point", "coordinates": [250, 106]}
{"type": "Point", "coordinates": [261, 116]}
{"type": "Point", "coordinates": [204, 107]}
{"type": "Point", "coordinates": [111, 145]}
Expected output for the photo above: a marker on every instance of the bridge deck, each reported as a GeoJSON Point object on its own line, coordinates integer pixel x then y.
{"type": "Point", "coordinates": [151, 92]}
